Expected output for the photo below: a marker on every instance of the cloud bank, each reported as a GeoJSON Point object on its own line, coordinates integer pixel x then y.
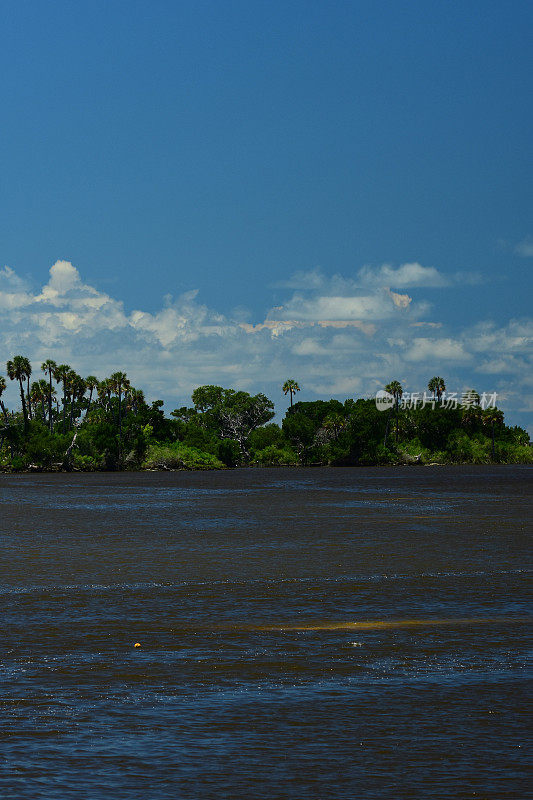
{"type": "Point", "coordinates": [337, 336]}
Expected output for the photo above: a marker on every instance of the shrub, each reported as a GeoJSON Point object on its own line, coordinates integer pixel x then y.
{"type": "Point", "coordinates": [273, 456]}
{"type": "Point", "coordinates": [179, 456]}
{"type": "Point", "coordinates": [229, 452]}
{"type": "Point", "coordinates": [84, 463]}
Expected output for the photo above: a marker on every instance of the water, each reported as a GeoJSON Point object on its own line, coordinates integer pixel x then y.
{"type": "Point", "coordinates": [319, 633]}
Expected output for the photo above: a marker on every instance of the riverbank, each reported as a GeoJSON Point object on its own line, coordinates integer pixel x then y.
{"type": "Point", "coordinates": [227, 429]}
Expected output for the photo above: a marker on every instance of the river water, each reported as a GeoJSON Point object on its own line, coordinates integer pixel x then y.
{"type": "Point", "coordinates": [304, 633]}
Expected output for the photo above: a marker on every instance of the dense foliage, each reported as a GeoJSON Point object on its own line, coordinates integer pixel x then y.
{"type": "Point", "coordinates": [74, 423]}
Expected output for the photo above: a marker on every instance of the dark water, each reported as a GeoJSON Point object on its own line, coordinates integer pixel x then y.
{"type": "Point", "coordinates": [254, 678]}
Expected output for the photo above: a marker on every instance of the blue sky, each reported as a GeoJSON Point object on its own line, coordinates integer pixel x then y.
{"type": "Point", "coordinates": [282, 161]}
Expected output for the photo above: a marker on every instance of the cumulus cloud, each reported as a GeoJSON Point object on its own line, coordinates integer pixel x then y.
{"type": "Point", "coordinates": [525, 248]}
{"type": "Point", "coordinates": [338, 336]}
{"type": "Point", "coordinates": [384, 276]}
{"type": "Point", "coordinates": [412, 274]}
{"type": "Point", "coordinates": [422, 349]}
{"type": "Point", "coordinates": [335, 300]}
{"type": "Point", "coordinates": [13, 290]}
{"type": "Point", "coordinates": [323, 307]}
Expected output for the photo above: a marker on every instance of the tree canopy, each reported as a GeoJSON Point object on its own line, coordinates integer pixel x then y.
{"type": "Point", "coordinates": [84, 423]}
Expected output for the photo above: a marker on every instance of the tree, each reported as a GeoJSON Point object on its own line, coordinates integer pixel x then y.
{"type": "Point", "coordinates": [395, 389]}
{"type": "Point", "coordinates": [437, 386]}
{"type": "Point", "coordinates": [493, 417]}
{"type": "Point", "coordinates": [28, 374]}
{"type": "Point", "coordinates": [39, 394]}
{"type": "Point", "coordinates": [105, 388]}
{"type": "Point", "coordinates": [299, 430]}
{"type": "Point", "coordinates": [120, 384]}
{"type": "Point", "coordinates": [334, 423]}
{"type": "Point", "coordinates": [49, 367]}
{"type": "Point", "coordinates": [91, 383]}
{"type": "Point", "coordinates": [228, 414]}
{"type": "Point", "coordinates": [20, 369]}
{"type": "Point", "coordinates": [77, 387]}
{"type": "Point", "coordinates": [241, 413]}
{"type": "Point", "coordinates": [3, 387]}
{"type": "Point", "coordinates": [290, 387]}
{"type": "Point", "coordinates": [61, 375]}
{"type": "Point", "coordinates": [206, 398]}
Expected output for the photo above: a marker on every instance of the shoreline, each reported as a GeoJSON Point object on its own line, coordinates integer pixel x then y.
{"type": "Point", "coordinates": [257, 467]}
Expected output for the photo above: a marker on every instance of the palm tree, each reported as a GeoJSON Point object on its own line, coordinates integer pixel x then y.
{"type": "Point", "coordinates": [437, 386]}
{"type": "Point", "coordinates": [135, 399]}
{"type": "Point", "coordinates": [120, 384]}
{"type": "Point", "coordinates": [19, 369]}
{"type": "Point", "coordinates": [28, 374]}
{"type": "Point", "coordinates": [77, 387]}
{"type": "Point", "coordinates": [3, 386]}
{"type": "Point", "coordinates": [395, 389]}
{"type": "Point", "coordinates": [38, 394]}
{"type": "Point", "coordinates": [290, 386]}
{"type": "Point", "coordinates": [91, 383]}
{"type": "Point", "coordinates": [105, 388]}
{"type": "Point", "coordinates": [493, 417]}
{"type": "Point", "coordinates": [49, 367]}
{"type": "Point", "coordinates": [61, 375]}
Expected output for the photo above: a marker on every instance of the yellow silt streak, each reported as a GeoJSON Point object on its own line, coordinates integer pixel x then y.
{"type": "Point", "coordinates": [381, 624]}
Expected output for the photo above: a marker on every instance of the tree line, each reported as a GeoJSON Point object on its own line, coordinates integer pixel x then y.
{"type": "Point", "coordinates": [66, 421]}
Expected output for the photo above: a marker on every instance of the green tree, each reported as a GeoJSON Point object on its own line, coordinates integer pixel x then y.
{"type": "Point", "coordinates": [290, 387]}
{"type": "Point", "coordinates": [395, 389]}
{"type": "Point", "coordinates": [299, 430]}
{"type": "Point", "coordinates": [38, 395]}
{"type": "Point", "coordinates": [334, 424]}
{"type": "Point", "coordinates": [493, 418]}
{"type": "Point", "coordinates": [61, 375]}
{"type": "Point", "coordinates": [20, 369]}
{"type": "Point", "coordinates": [77, 388]}
{"type": "Point", "coordinates": [229, 414]}
{"type": "Point", "coordinates": [49, 367]}
{"type": "Point", "coordinates": [207, 398]}
{"type": "Point", "coordinates": [3, 387]}
{"type": "Point", "coordinates": [437, 386]}
{"type": "Point", "coordinates": [91, 383]}
{"type": "Point", "coordinates": [120, 384]}
{"type": "Point", "coordinates": [241, 413]}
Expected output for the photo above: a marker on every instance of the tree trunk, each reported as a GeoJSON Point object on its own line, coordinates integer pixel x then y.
{"type": "Point", "coordinates": [24, 409]}
{"type": "Point", "coordinates": [66, 457]}
{"type": "Point", "coordinates": [50, 420]}
{"type": "Point", "coordinates": [64, 407]}
{"type": "Point", "coordinates": [29, 397]}
{"type": "Point", "coordinates": [387, 429]}
{"type": "Point", "coordinates": [120, 427]}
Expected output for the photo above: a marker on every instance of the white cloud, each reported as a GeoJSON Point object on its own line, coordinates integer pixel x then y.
{"type": "Point", "coordinates": [336, 336]}
{"type": "Point", "coordinates": [432, 350]}
{"type": "Point", "coordinates": [411, 274]}
{"type": "Point", "coordinates": [525, 248]}
{"type": "Point", "coordinates": [13, 290]}
{"type": "Point", "coordinates": [371, 306]}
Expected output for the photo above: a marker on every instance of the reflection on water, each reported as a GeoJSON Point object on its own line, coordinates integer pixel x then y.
{"type": "Point", "coordinates": [303, 634]}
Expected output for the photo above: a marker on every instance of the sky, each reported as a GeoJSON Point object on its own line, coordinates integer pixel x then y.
{"type": "Point", "coordinates": [243, 192]}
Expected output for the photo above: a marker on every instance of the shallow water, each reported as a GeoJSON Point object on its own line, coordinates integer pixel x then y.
{"type": "Point", "coordinates": [319, 633]}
